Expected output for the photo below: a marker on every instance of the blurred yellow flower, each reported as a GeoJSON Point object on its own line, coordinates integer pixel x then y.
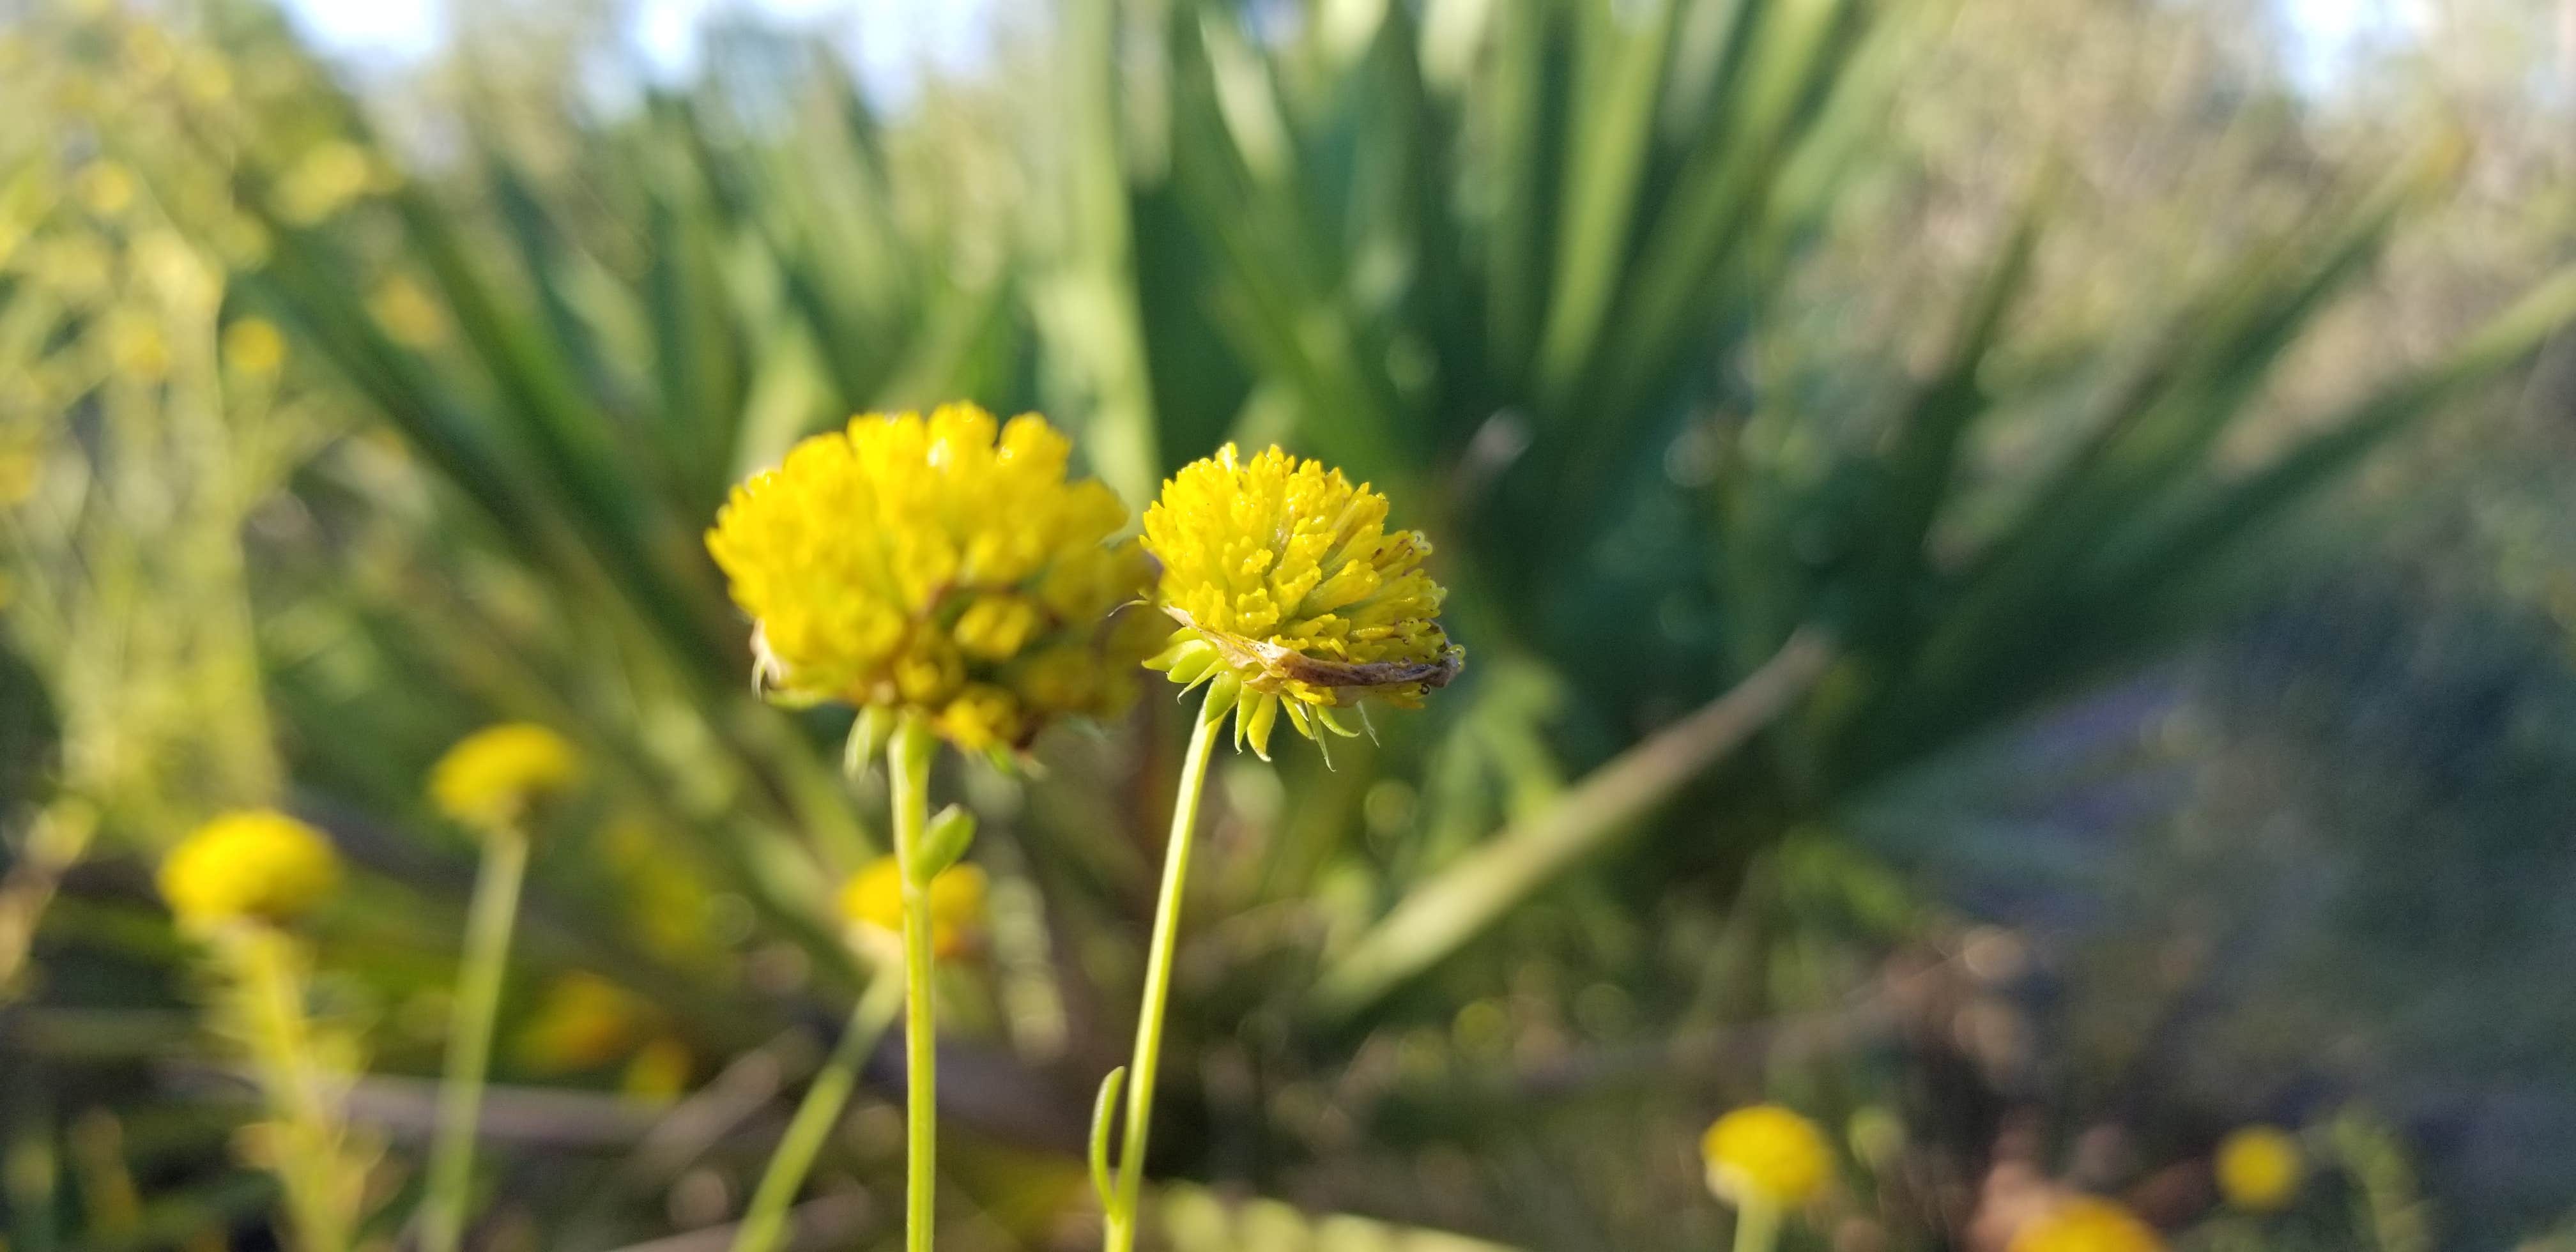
{"type": "Point", "coordinates": [874, 897]}
{"type": "Point", "coordinates": [2087, 1224]}
{"type": "Point", "coordinates": [1766, 1153]}
{"type": "Point", "coordinates": [2259, 1168]}
{"type": "Point", "coordinates": [941, 567]}
{"type": "Point", "coordinates": [489, 777]}
{"type": "Point", "coordinates": [1289, 591]}
{"type": "Point", "coordinates": [255, 863]}
{"type": "Point", "coordinates": [660, 1070]}
{"type": "Point", "coordinates": [254, 347]}
{"type": "Point", "coordinates": [135, 346]}
{"type": "Point", "coordinates": [105, 188]}
{"type": "Point", "coordinates": [408, 314]}
{"type": "Point", "coordinates": [584, 1022]}
{"type": "Point", "coordinates": [204, 76]}
{"type": "Point", "coordinates": [323, 181]}
{"type": "Point", "coordinates": [168, 265]}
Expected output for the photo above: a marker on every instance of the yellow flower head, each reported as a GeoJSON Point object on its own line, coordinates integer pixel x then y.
{"type": "Point", "coordinates": [253, 346]}
{"type": "Point", "coordinates": [659, 1072]}
{"type": "Point", "coordinates": [939, 566]}
{"type": "Point", "coordinates": [323, 181]}
{"type": "Point", "coordinates": [585, 1022]}
{"type": "Point", "coordinates": [1767, 1153]}
{"type": "Point", "coordinates": [2259, 1168]}
{"type": "Point", "coordinates": [1290, 593]}
{"type": "Point", "coordinates": [490, 776]}
{"type": "Point", "coordinates": [136, 346]}
{"type": "Point", "coordinates": [410, 317]}
{"type": "Point", "coordinates": [2087, 1224]}
{"type": "Point", "coordinates": [874, 897]}
{"type": "Point", "coordinates": [256, 864]}
{"type": "Point", "coordinates": [104, 188]}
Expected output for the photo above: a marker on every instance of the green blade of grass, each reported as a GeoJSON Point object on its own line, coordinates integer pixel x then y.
{"type": "Point", "coordinates": [2227, 518]}
{"type": "Point", "coordinates": [1442, 913]}
{"type": "Point", "coordinates": [1625, 48]}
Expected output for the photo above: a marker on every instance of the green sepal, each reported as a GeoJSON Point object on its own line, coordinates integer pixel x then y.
{"type": "Point", "coordinates": [868, 737]}
{"type": "Point", "coordinates": [943, 842]}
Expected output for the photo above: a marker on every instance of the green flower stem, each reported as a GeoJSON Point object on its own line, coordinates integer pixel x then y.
{"type": "Point", "coordinates": [469, 1036]}
{"type": "Point", "coordinates": [766, 1220]}
{"type": "Point", "coordinates": [908, 768]}
{"type": "Point", "coordinates": [1757, 1225]}
{"type": "Point", "coordinates": [266, 968]}
{"type": "Point", "coordinates": [1121, 1214]}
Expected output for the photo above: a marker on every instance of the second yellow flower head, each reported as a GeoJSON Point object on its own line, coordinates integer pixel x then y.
{"type": "Point", "coordinates": [258, 864]}
{"type": "Point", "coordinates": [942, 566]}
{"type": "Point", "coordinates": [2259, 1168]}
{"type": "Point", "coordinates": [1768, 1154]}
{"type": "Point", "coordinates": [489, 777]}
{"type": "Point", "coordinates": [1290, 593]}
{"type": "Point", "coordinates": [874, 897]}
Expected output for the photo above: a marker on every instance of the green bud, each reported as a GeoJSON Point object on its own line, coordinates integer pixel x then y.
{"type": "Point", "coordinates": [868, 736]}
{"type": "Point", "coordinates": [950, 830]}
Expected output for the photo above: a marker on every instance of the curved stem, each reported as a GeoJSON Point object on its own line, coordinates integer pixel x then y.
{"type": "Point", "coordinates": [765, 1221]}
{"type": "Point", "coordinates": [908, 770]}
{"type": "Point", "coordinates": [1121, 1217]}
{"type": "Point", "coordinates": [469, 1036]}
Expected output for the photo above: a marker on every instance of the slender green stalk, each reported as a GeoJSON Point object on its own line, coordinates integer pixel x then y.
{"type": "Point", "coordinates": [266, 971]}
{"type": "Point", "coordinates": [1121, 1215]}
{"type": "Point", "coordinates": [1757, 1225]}
{"type": "Point", "coordinates": [908, 770]}
{"type": "Point", "coordinates": [469, 1036]}
{"type": "Point", "coordinates": [765, 1222]}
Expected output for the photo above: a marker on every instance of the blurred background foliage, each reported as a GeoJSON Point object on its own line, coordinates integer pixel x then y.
{"type": "Point", "coordinates": [2014, 554]}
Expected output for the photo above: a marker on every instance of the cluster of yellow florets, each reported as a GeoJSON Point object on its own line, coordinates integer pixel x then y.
{"type": "Point", "coordinates": [1291, 593]}
{"type": "Point", "coordinates": [938, 566]}
{"type": "Point", "coordinates": [256, 864]}
{"type": "Point", "coordinates": [489, 777]}
{"type": "Point", "coordinates": [1766, 1154]}
{"type": "Point", "coordinates": [874, 897]}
